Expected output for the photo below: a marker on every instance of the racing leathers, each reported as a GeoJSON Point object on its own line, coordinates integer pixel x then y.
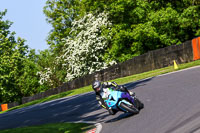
{"type": "Point", "coordinates": [105, 91]}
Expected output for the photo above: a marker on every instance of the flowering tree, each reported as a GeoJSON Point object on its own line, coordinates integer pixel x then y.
{"type": "Point", "coordinates": [84, 49]}
{"type": "Point", "coordinates": [83, 53]}
{"type": "Point", "coordinates": [45, 76]}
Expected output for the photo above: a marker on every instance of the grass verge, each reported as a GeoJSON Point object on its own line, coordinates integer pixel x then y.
{"type": "Point", "coordinates": [52, 128]}
{"type": "Point", "coordinates": [123, 80]}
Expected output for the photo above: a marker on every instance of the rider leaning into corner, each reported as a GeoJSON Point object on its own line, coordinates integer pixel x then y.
{"type": "Point", "coordinates": [102, 92]}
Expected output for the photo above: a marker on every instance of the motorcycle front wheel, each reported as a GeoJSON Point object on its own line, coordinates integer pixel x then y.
{"type": "Point", "coordinates": [129, 108]}
{"type": "Point", "coordinates": [139, 104]}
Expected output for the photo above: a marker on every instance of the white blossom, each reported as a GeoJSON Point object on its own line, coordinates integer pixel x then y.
{"type": "Point", "coordinates": [45, 76]}
{"type": "Point", "coordinates": [83, 53]}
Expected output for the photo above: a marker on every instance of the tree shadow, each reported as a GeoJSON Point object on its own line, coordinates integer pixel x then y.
{"type": "Point", "coordinates": [78, 108]}
{"type": "Point", "coordinates": [135, 84]}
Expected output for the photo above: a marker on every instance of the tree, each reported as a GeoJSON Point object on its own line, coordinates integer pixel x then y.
{"type": "Point", "coordinates": [138, 26]}
{"type": "Point", "coordinates": [50, 71]}
{"type": "Point", "coordinates": [83, 51]}
{"type": "Point", "coordinates": [18, 66]}
{"type": "Point", "coordinates": [143, 25]}
{"type": "Point", "coordinates": [11, 62]}
{"type": "Point", "coordinates": [60, 14]}
{"type": "Point", "coordinates": [28, 81]}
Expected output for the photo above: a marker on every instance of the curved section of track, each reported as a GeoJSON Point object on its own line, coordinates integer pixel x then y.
{"type": "Point", "coordinates": [171, 106]}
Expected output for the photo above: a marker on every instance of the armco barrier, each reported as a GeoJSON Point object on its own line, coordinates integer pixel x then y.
{"type": "Point", "coordinates": [149, 61]}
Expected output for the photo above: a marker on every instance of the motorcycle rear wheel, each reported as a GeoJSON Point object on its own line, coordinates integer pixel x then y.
{"type": "Point", "coordinates": [129, 108]}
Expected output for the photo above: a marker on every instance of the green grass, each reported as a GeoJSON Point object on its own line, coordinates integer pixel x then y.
{"type": "Point", "coordinates": [52, 128]}
{"type": "Point", "coordinates": [119, 81]}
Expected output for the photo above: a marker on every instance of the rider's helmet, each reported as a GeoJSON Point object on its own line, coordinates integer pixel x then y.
{"type": "Point", "coordinates": [96, 85]}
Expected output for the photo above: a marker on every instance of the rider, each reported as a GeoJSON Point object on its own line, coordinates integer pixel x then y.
{"type": "Point", "coordinates": [102, 92]}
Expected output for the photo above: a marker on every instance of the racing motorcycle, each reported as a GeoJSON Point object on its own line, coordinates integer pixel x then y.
{"type": "Point", "coordinates": [115, 102]}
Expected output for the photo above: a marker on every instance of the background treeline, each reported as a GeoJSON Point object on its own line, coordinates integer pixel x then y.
{"type": "Point", "coordinates": [89, 35]}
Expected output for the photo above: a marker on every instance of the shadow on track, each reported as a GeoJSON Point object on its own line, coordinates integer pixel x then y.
{"type": "Point", "coordinates": [120, 117]}
{"type": "Point", "coordinates": [133, 85]}
{"type": "Point", "coordinates": [76, 108]}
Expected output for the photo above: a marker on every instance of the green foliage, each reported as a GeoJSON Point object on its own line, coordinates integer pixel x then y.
{"type": "Point", "coordinates": [50, 69]}
{"type": "Point", "coordinates": [143, 25]}
{"type": "Point", "coordinates": [60, 14]}
{"type": "Point", "coordinates": [82, 53]}
{"type": "Point", "coordinates": [189, 22]}
{"type": "Point", "coordinates": [138, 25]}
{"type": "Point", "coordinates": [28, 82]}
{"type": "Point", "coordinates": [11, 61]}
{"type": "Point", "coordinates": [18, 66]}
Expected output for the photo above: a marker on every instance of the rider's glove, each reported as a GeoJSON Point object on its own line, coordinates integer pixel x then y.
{"type": "Point", "coordinates": [111, 84]}
{"type": "Point", "coordinates": [114, 84]}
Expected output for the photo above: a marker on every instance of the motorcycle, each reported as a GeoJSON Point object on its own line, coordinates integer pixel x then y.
{"type": "Point", "coordinates": [115, 102]}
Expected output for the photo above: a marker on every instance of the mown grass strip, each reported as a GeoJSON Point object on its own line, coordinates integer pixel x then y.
{"type": "Point", "coordinates": [123, 80]}
{"type": "Point", "coordinates": [52, 128]}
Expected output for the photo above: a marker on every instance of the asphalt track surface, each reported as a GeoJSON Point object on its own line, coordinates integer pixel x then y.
{"type": "Point", "coordinates": [172, 105]}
